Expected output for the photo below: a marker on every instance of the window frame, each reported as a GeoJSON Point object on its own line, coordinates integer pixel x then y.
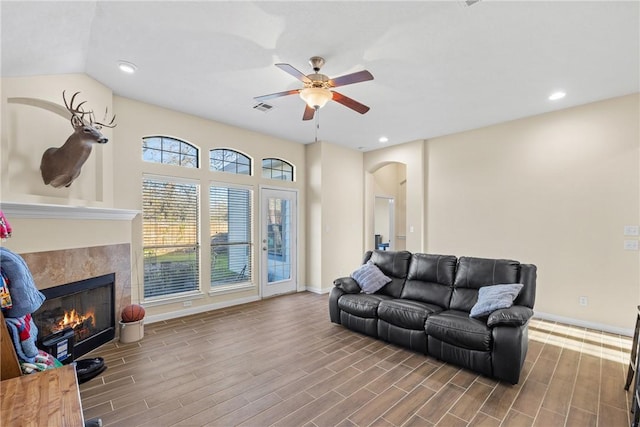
{"type": "Point", "coordinates": [235, 162]}
{"type": "Point", "coordinates": [164, 152]}
{"type": "Point", "coordinates": [271, 169]}
{"type": "Point", "coordinates": [188, 294]}
{"type": "Point", "coordinates": [249, 283]}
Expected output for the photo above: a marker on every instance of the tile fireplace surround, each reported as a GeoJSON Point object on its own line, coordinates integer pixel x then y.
{"type": "Point", "coordinates": [59, 267]}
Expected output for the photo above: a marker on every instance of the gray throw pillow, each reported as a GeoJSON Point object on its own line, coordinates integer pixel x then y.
{"type": "Point", "coordinates": [494, 297]}
{"type": "Point", "coordinates": [370, 278]}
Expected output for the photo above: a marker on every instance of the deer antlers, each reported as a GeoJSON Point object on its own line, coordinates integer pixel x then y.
{"type": "Point", "coordinates": [78, 114]}
{"type": "Point", "coordinates": [60, 166]}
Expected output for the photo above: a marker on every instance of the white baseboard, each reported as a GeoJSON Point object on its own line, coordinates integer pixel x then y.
{"type": "Point", "coordinates": [583, 323]}
{"type": "Point", "coordinates": [198, 309]}
{"type": "Point", "coordinates": [316, 290]}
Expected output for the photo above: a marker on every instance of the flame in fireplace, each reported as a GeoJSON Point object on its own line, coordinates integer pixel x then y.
{"type": "Point", "coordinates": [72, 319]}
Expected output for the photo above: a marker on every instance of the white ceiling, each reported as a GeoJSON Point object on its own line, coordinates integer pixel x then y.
{"type": "Point", "coordinates": [439, 67]}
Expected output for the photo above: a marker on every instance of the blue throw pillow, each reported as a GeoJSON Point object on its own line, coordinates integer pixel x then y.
{"type": "Point", "coordinates": [370, 278]}
{"type": "Point", "coordinates": [495, 297]}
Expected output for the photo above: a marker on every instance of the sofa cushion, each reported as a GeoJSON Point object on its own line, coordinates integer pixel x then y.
{"type": "Point", "coordinates": [474, 273]}
{"type": "Point", "coordinates": [433, 268]}
{"type": "Point", "coordinates": [405, 313]}
{"type": "Point", "coordinates": [370, 278]}
{"type": "Point", "coordinates": [430, 279]}
{"type": "Point", "coordinates": [361, 305]}
{"type": "Point", "coordinates": [495, 297]}
{"type": "Point", "coordinates": [394, 264]}
{"type": "Point", "coordinates": [458, 329]}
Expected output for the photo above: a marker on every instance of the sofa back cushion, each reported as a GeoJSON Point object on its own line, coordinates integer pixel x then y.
{"type": "Point", "coordinates": [430, 279]}
{"type": "Point", "coordinates": [395, 265]}
{"type": "Point", "coordinates": [473, 273]}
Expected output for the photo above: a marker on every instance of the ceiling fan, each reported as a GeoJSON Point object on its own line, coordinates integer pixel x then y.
{"type": "Point", "coordinates": [317, 88]}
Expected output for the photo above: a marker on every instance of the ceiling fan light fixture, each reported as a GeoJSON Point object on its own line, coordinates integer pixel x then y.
{"type": "Point", "coordinates": [316, 97]}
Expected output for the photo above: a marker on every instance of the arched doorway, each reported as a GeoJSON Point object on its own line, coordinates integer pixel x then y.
{"type": "Point", "coordinates": [388, 183]}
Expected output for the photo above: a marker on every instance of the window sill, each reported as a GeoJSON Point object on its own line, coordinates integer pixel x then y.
{"type": "Point", "coordinates": [227, 289]}
{"type": "Point", "coordinates": [164, 300]}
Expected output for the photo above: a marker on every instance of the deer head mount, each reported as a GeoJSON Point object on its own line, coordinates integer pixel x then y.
{"type": "Point", "coordinates": [61, 166]}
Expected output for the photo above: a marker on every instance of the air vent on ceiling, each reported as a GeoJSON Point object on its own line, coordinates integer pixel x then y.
{"type": "Point", "coordinates": [261, 106]}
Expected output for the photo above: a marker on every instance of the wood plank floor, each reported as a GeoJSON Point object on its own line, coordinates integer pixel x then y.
{"type": "Point", "coordinates": [281, 362]}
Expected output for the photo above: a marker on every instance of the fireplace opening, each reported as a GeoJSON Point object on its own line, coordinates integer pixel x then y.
{"type": "Point", "coordinates": [83, 309]}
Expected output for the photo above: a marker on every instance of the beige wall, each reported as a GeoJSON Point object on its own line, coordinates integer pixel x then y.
{"type": "Point", "coordinates": [140, 120]}
{"type": "Point", "coordinates": [390, 181]}
{"type": "Point", "coordinates": [386, 179]}
{"type": "Point", "coordinates": [40, 235]}
{"type": "Point", "coordinates": [31, 124]}
{"type": "Point", "coordinates": [313, 155]}
{"type": "Point", "coordinates": [554, 190]}
{"type": "Point", "coordinates": [411, 155]}
{"type": "Point", "coordinates": [335, 192]}
{"type": "Point", "coordinates": [112, 176]}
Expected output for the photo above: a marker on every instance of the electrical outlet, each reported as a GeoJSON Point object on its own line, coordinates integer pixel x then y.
{"type": "Point", "coordinates": [187, 304]}
{"type": "Point", "coordinates": [631, 230]}
{"type": "Point", "coordinates": [630, 245]}
{"type": "Point", "coordinates": [583, 301]}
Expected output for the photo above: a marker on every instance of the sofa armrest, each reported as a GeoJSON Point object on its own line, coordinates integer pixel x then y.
{"type": "Point", "coordinates": [516, 315]}
{"type": "Point", "coordinates": [348, 285]}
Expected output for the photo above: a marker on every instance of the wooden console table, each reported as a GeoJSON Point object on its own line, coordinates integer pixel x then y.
{"type": "Point", "coordinates": [50, 397]}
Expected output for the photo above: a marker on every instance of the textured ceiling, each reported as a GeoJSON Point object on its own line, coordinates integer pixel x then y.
{"type": "Point", "coordinates": [439, 67]}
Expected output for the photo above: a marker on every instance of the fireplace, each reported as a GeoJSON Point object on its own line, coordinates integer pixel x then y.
{"type": "Point", "coordinates": [83, 309]}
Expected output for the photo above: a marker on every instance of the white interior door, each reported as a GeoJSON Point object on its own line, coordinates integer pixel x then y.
{"type": "Point", "coordinates": [278, 243]}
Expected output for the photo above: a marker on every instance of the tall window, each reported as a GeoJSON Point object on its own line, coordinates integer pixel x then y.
{"type": "Point", "coordinates": [230, 222]}
{"type": "Point", "coordinates": [224, 160]}
{"type": "Point", "coordinates": [170, 237]}
{"type": "Point", "coordinates": [277, 169]}
{"type": "Point", "coordinates": [170, 151]}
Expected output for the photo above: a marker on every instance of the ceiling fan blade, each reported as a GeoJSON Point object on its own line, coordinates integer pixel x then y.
{"type": "Point", "coordinates": [287, 68]}
{"type": "Point", "coordinates": [351, 103]}
{"type": "Point", "coordinates": [276, 95]}
{"type": "Point", "coordinates": [347, 79]}
{"type": "Point", "coordinates": [308, 113]}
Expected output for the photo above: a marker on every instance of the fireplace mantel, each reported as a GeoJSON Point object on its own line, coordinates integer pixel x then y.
{"type": "Point", "coordinates": [45, 211]}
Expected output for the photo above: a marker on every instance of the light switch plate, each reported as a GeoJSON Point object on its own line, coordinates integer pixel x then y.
{"type": "Point", "coordinates": [631, 230]}
{"type": "Point", "coordinates": [630, 245]}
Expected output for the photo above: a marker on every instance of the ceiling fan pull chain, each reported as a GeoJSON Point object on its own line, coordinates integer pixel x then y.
{"type": "Point", "coordinates": [317, 121]}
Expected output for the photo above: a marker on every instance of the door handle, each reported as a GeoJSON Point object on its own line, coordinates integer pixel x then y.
{"type": "Point", "coordinates": [264, 248]}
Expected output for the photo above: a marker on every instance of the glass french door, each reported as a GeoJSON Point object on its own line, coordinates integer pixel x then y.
{"type": "Point", "coordinates": [278, 241]}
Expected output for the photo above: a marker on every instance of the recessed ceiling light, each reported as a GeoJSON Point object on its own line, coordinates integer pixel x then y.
{"type": "Point", "coordinates": [557, 95]}
{"type": "Point", "coordinates": [127, 67]}
{"type": "Point", "coordinates": [383, 139]}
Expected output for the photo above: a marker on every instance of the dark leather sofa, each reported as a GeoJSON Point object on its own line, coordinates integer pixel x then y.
{"type": "Point", "coordinates": [426, 308]}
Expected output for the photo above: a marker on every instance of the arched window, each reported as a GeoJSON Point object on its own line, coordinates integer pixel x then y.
{"type": "Point", "coordinates": [169, 151]}
{"type": "Point", "coordinates": [226, 160]}
{"type": "Point", "coordinates": [277, 169]}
